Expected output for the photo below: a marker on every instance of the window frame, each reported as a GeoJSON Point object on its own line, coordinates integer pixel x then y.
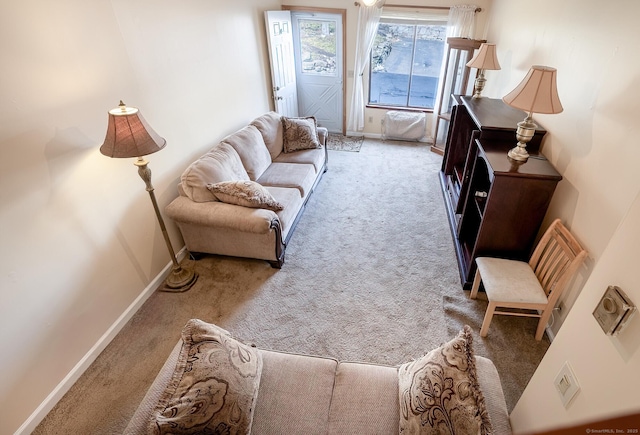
{"type": "Point", "coordinates": [414, 19]}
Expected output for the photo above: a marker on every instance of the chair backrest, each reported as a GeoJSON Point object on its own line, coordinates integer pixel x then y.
{"type": "Point", "coordinates": [556, 259]}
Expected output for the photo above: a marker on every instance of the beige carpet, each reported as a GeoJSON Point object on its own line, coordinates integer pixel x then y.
{"type": "Point", "coordinates": [365, 277]}
{"type": "Point", "coordinates": [510, 343]}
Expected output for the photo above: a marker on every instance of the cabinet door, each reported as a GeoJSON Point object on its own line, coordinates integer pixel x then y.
{"type": "Point", "coordinates": [473, 210]}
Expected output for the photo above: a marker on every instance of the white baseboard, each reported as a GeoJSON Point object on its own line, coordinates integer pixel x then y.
{"type": "Point", "coordinates": [61, 389]}
{"type": "Point", "coordinates": [379, 136]}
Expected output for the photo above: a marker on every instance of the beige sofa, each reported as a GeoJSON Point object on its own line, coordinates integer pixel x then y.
{"type": "Point", "coordinates": [258, 153]}
{"type": "Point", "coordinates": [300, 394]}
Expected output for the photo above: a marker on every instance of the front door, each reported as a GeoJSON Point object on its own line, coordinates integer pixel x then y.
{"type": "Point", "coordinates": [317, 40]}
{"type": "Point", "coordinates": [281, 57]}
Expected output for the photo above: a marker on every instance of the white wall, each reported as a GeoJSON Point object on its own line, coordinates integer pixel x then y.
{"type": "Point", "coordinates": [80, 241]}
{"type": "Point", "coordinates": [592, 143]}
{"type": "Point", "coordinates": [606, 367]}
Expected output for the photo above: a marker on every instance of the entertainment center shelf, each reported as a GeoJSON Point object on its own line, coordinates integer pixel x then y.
{"type": "Point", "coordinates": [495, 205]}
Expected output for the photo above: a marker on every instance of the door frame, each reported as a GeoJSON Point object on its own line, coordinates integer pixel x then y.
{"type": "Point", "coordinates": [343, 14]}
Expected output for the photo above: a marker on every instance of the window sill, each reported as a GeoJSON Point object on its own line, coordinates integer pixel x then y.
{"type": "Point", "coordinates": [401, 109]}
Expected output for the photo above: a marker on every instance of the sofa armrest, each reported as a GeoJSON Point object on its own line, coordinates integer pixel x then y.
{"type": "Point", "coordinates": [221, 215]}
{"type": "Point", "coordinates": [323, 134]}
{"type": "Point", "coordinates": [491, 387]}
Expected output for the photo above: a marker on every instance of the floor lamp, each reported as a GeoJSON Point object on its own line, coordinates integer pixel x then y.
{"type": "Point", "coordinates": [129, 135]}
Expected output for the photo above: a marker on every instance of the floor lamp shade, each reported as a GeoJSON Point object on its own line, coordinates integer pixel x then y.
{"type": "Point", "coordinates": [537, 93]}
{"type": "Point", "coordinates": [129, 135]}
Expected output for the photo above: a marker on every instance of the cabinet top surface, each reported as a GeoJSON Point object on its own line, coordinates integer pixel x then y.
{"type": "Point", "coordinates": [494, 114]}
{"type": "Point", "coordinates": [537, 166]}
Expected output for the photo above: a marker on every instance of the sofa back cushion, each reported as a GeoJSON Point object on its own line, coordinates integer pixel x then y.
{"type": "Point", "coordinates": [252, 150]}
{"type": "Point", "coordinates": [222, 163]}
{"type": "Point", "coordinates": [295, 394]}
{"type": "Point", "coordinates": [270, 128]}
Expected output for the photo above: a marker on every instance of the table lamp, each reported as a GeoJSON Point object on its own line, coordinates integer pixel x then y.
{"type": "Point", "coordinates": [537, 93]}
{"type": "Point", "coordinates": [129, 135]}
{"type": "Point", "coordinates": [484, 59]}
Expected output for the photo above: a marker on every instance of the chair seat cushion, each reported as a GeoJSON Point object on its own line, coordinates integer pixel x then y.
{"type": "Point", "coordinates": [510, 281]}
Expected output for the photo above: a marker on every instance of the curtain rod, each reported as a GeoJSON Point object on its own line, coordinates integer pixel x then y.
{"type": "Point", "coordinates": [420, 7]}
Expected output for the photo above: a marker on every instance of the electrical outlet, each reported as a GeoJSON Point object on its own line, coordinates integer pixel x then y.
{"type": "Point", "coordinates": [370, 119]}
{"type": "Point", "coordinates": [561, 307]}
{"type": "Point", "coordinates": [566, 384]}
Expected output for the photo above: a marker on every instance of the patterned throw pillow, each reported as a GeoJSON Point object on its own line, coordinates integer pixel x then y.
{"type": "Point", "coordinates": [214, 386]}
{"type": "Point", "coordinates": [245, 193]}
{"type": "Point", "coordinates": [439, 392]}
{"type": "Point", "coordinates": [299, 134]}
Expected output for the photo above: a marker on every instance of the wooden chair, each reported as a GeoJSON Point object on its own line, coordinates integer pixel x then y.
{"type": "Point", "coordinates": [515, 286]}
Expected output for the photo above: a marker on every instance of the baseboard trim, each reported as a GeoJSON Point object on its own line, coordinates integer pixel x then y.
{"type": "Point", "coordinates": [428, 140]}
{"type": "Point", "coordinates": [61, 389]}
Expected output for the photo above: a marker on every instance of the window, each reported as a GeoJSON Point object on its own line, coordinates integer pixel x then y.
{"type": "Point", "coordinates": [318, 46]}
{"type": "Point", "coordinates": [405, 62]}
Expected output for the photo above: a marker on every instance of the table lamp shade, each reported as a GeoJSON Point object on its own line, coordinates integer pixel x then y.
{"type": "Point", "coordinates": [129, 135]}
{"type": "Point", "coordinates": [485, 58]}
{"type": "Point", "coordinates": [537, 93]}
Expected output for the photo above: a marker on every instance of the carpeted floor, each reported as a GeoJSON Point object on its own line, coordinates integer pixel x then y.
{"type": "Point", "coordinates": [370, 275]}
{"type": "Point", "coordinates": [338, 142]}
{"type": "Point", "coordinates": [510, 343]}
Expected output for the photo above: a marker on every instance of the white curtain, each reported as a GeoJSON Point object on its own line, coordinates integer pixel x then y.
{"type": "Point", "coordinates": [368, 19]}
{"type": "Point", "coordinates": [461, 24]}
{"type": "Point", "coordinates": [462, 21]}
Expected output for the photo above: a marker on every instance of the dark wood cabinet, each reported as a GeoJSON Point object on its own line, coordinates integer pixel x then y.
{"type": "Point", "coordinates": [495, 204]}
{"type": "Point", "coordinates": [456, 82]}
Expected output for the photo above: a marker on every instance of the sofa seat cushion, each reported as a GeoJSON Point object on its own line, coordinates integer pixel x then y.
{"type": "Point", "coordinates": [300, 176]}
{"type": "Point", "coordinates": [365, 400]}
{"type": "Point", "coordinates": [315, 157]}
{"type": "Point", "coordinates": [252, 150]}
{"type": "Point", "coordinates": [245, 193]}
{"type": "Point", "coordinates": [291, 200]}
{"type": "Point", "coordinates": [270, 126]}
{"type": "Point", "coordinates": [222, 163]}
{"type": "Point", "coordinates": [295, 394]}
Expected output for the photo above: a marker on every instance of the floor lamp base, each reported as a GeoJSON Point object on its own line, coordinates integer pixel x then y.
{"type": "Point", "coordinates": [179, 280]}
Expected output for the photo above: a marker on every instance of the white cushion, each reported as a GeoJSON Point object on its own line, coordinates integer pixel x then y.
{"type": "Point", "coordinates": [253, 152]}
{"type": "Point", "coordinates": [270, 127]}
{"type": "Point", "coordinates": [510, 281]}
{"type": "Point", "coordinates": [222, 163]}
